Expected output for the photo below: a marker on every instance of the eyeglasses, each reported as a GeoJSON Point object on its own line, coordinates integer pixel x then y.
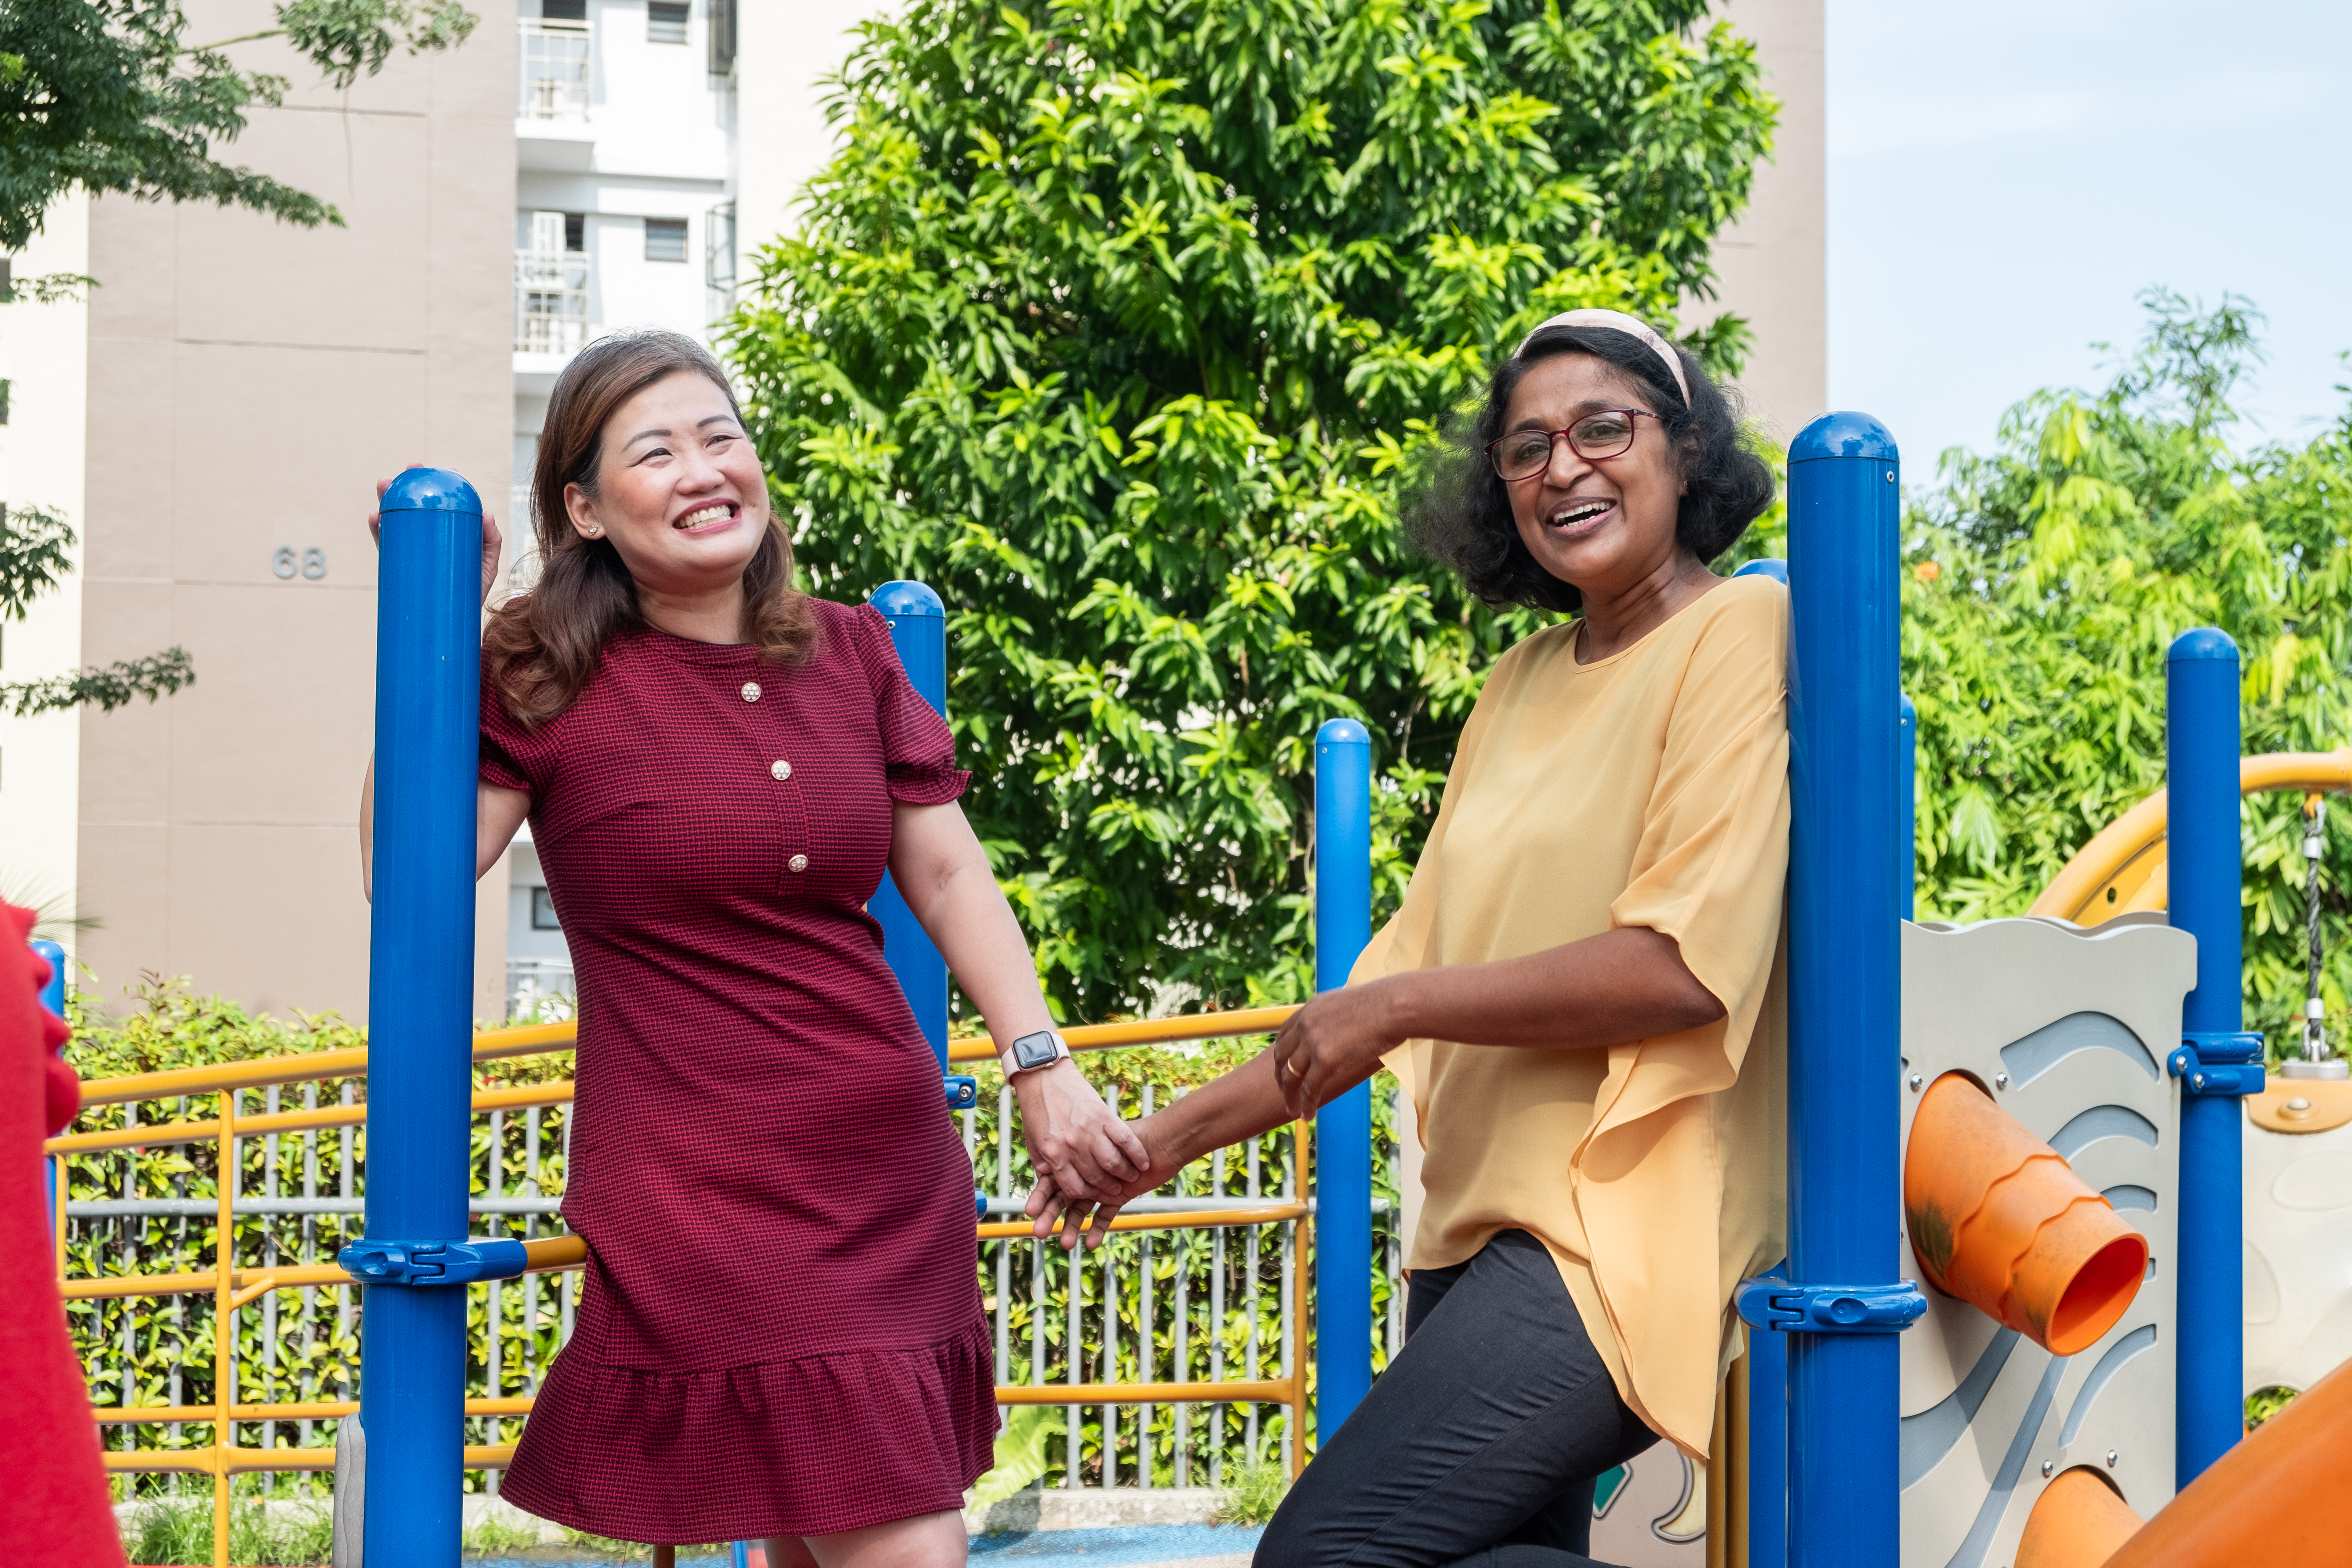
{"type": "Point", "coordinates": [1606, 432]}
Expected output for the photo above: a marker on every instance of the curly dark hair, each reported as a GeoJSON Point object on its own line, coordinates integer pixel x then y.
{"type": "Point", "coordinates": [1464, 518]}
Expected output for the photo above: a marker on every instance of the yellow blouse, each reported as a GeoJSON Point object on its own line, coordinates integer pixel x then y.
{"type": "Point", "coordinates": [1649, 788]}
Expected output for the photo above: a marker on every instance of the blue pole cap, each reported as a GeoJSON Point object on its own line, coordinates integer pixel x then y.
{"type": "Point", "coordinates": [430, 489]}
{"type": "Point", "coordinates": [1342, 732]}
{"type": "Point", "coordinates": [1844, 435]}
{"type": "Point", "coordinates": [2205, 642]}
{"type": "Point", "coordinates": [898, 599]}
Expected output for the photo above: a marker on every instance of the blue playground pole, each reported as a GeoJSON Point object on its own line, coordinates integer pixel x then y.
{"type": "Point", "coordinates": [918, 629]}
{"type": "Point", "coordinates": [53, 997]}
{"type": "Point", "coordinates": [2216, 1062]}
{"type": "Point", "coordinates": [1343, 1129]}
{"type": "Point", "coordinates": [53, 994]}
{"type": "Point", "coordinates": [420, 1012]}
{"type": "Point", "coordinates": [1844, 995]}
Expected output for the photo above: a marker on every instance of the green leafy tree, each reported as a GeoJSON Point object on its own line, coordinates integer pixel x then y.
{"type": "Point", "coordinates": [2044, 583]}
{"type": "Point", "coordinates": [1126, 326]}
{"type": "Point", "coordinates": [36, 554]}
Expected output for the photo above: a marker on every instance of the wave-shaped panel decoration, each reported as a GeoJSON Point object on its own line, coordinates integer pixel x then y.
{"type": "Point", "coordinates": [2067, 1029]}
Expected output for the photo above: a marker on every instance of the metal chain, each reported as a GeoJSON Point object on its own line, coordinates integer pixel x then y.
{"type": "Point", "coordinates": [2314, 1014]}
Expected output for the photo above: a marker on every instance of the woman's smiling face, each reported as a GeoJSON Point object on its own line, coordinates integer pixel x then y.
{"type": "Point", "coordinates": [1602, 525]}
{"type": "Point", "coordinates": [679, 491]}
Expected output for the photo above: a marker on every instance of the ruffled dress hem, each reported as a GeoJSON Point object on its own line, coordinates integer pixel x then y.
{"type": "Point", "coordinates": [811, 1445]}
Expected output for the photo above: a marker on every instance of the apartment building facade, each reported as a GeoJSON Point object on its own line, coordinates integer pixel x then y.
{"type": "Point", "coordinates": [216, 412]}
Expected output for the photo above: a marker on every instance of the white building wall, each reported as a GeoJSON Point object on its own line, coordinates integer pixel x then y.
{"type": "Point", "coordinates": [45, 354]}
{"type": "Point", "coordinates": [1774, 262]}
{"type": "Point", "coordinates": [782, 50]}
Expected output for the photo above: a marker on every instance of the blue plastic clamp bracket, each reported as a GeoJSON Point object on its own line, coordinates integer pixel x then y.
{"type": "Point", "coordinates": [963, 1093]}
{"type": "Point", "coordinates": [2219, 1064]}
{"type": "Point", "coordinates": [1770, 1303]}
{"type": "Point", "coordinates": [431, 1262]}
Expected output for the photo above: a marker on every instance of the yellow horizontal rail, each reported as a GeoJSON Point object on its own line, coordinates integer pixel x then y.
{"type": "Point", "coordinates": [156, 1134]}
{"type": "Point", "coordinates": [555, 1254]}
{"type": "Point", "coordinates": [1266, 1391]}
{"type": "Point", "coordinates": [1281, 1391]}
{"type": "Point", "coordinates": [311, 1410]}
{"type": "Point", "coordinates": [2126, 858]}
{"type": "Point", "coordinates": [1146, 1032]}
{"type": "Point", "coordinates": [1174, 1219]}
{"type": "Point", "coordinates": [535, 1039]}
{"type": "Point", "coordinates": [210, 1461]}
{"type": "Point", "coordinates": [490, 1045]}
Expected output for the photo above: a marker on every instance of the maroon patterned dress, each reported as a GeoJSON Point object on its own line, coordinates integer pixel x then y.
{"type": "Point", "coordinates": [782, 1330]}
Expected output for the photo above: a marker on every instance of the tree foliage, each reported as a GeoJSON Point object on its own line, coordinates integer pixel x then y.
{"type": "Point", "coordinates": [1126, 325]}
{"type": "Point", "coordinates": [106, 95]}
{"type": "Point", "coordinates": [36, 554]}
{"type": "Point", "coordinates": [2044, 583]}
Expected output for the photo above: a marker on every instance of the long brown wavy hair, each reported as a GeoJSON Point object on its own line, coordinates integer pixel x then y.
{"type": "Point", "coordinates": [541, 648]}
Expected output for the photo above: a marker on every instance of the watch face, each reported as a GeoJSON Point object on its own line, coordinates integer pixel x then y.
{"type": "Point", "coordinates": [1034, 1051]}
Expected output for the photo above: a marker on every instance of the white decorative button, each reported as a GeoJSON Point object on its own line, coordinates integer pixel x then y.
{"type": "Point", "coordinates": [780, 769]}
{"type": "Point", "coordinates": [751, 691]}
{"type": "Point", "coordinates": [798, 862]}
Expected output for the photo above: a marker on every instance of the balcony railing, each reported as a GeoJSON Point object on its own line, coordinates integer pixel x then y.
{"type": "Point", "coordinates": [552, 63]}
{"type": "Point", "coordinates": [541, 989]}
{"type": "Point", "coordinates": [550, 301]}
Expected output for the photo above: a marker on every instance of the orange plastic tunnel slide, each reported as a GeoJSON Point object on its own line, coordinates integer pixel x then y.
{"type": "Point", "coordinates": [2079, 1522]}
{"type": "Point", "coordinates": [2277, 1498]}
{"type": "Point", "coordinates": [2000, 1221]}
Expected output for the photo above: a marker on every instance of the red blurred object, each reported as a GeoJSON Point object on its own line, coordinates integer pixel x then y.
{"type": "Point", "coordinates": [55, 1509]}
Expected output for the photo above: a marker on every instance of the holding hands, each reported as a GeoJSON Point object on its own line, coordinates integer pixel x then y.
{"type": "Point", "coordinates": [1078, 1145]}
{"type": "Point", "coordinates": [1327, 1047]}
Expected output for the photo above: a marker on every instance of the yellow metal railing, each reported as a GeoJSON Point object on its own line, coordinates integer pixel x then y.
{"type": "Point", "coordinates": [234, 1288]}
{"type": "Point", "coordinates": [2124, 871]}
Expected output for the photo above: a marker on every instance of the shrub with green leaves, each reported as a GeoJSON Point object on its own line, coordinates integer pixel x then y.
{"type": "Point", "coordinates": [1124, 326]}
{"type": "Point", "coordinates": [2044, 584]}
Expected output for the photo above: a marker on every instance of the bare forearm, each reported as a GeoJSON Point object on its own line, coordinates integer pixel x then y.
{"type": "Point", "coordinates": [1625, 984]}
{"type": "Point", "coordinates": [1241, 1104]}
{"type": "Point", "coordinates": [972, 926]}
{"type": "Point", "coordinates": [498, 814]}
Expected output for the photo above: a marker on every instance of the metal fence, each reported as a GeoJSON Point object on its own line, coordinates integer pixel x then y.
{"type": "Point", "coordinates": [1218, 1299]}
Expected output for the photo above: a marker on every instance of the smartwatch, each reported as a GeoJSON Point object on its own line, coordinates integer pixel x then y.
{"type": "Point", "coordinates": [1040, 1049]}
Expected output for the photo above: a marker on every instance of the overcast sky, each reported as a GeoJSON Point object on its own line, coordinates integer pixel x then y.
{"type": "Point", "coordinates": [2005, 175]}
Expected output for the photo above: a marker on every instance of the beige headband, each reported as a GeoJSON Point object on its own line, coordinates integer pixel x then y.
{"type": "Point", "coordinates": [1616, 320]}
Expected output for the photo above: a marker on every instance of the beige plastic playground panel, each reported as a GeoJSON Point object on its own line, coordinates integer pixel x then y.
{"type": "Point", "coordinates": [2068, 1027]}
{"type": "Point", "coordinates": [1655, 1517]}
{"type": "Point", "coordinates": [2298, 1234]}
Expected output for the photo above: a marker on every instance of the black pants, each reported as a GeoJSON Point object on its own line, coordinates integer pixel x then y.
{"type": "Point", "coordinates": [1479, 1445]}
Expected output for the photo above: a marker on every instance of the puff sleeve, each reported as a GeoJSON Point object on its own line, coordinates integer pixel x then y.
{"type": "Point", "coordinates": [513, 757]}
{"type": "Point", "coordinates": [917, 750]}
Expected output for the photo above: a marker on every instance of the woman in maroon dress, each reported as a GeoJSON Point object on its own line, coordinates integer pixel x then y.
{"type": "Point", "coordinates": [782, 1335]}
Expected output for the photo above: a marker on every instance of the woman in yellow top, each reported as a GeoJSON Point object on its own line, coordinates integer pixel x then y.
{"type": "Point", "coordinates": [1582, 990]}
